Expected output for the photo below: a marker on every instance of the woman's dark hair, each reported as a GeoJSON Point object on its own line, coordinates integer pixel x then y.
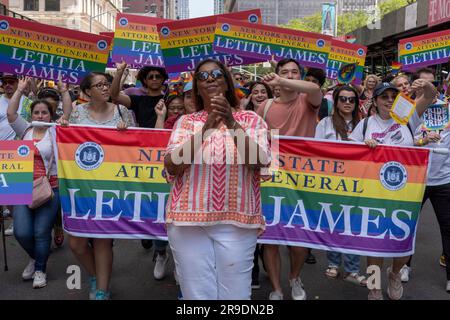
{"type": "Point", "coordinates": [339, 123]}
{"type": "Point", "coordinates": [86, 83]}
{"type": "Point", "coordinates": [49, 107]}
{"type": "Point", "coordinates": [49, 93]}
{"type": "Point", "coordinates": [144, 71]}
{"type": "Point", "coordinates": [230, 94]}
{"type": "Point", "coordinates": [250, 105]}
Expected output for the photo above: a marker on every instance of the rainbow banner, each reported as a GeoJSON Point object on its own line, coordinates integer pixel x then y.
{"type": "Point", "coordinates": [266, 42]}
{"type": "Point", "coordinates": [425, 50]}
{"type": "Point", "coordinates": [345, 197]}
{"type": "Point", "coordinates": [42, 51]}
{"type": "Point", "coordinates": [112, 182]}
{"type": "Point", "coordinates": [16, 172]}
{"type": "Point", "coordinates": [325, 195]}
{"type": "Point", "coordinates": [342, 54]}
{"type": "Point", "coordinates": [136, 41]}
{"type": "Point", "coordinates": [110, 63]}
{"type": "Point", "coordinates": [185, 43]}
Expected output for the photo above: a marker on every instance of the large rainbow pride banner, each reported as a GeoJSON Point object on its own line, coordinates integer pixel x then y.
{"type": "Point", "coordinates": [111, 182]}
{"type": "Point", "coordinates": [185, 43]}
{"type": "Point", "coordinates": [16, 172]}
{"type": "Point", "coordinates": [48, 52]}
{"type": "Point", "coordinates": [136, 41]}
{"type": "Point", "coordinates": [326, 195]}
{"type": "Point", "coordinates": [266, 42]}
{"type": "Point", "coordinates": [345, 197]}
{"type": "Point", "coordinates": [425, 50]}
{"type": "Point", "coordinates": [343, 53]}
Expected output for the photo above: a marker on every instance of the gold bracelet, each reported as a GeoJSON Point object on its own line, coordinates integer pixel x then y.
{"type": "Point", "coordinates": [421, 142]}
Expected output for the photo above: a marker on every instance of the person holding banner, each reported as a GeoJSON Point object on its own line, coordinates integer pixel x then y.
{"type": "Point", "coordinates": [338, 126]}
{"type": "Point", "coordinates": [98, 258]}
{"type": "Point", "coordinates": [294, 113]}
{"type": "Point", "coordinates": [381, 128]}
{"type": "Point", "coordinates": [213, 158]}
{"type": "Point", "coordinates": [33, 227]}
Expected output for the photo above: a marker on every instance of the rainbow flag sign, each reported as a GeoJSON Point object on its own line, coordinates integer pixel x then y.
{"type": "Point", "coordinates": [185, 43]}
{"type": "Point", "coordinates": [342, 54]}
{"type": "Point", "coordinates": [16, 172]}
{"type": "Point", "coordinates": [325, 195]}
{"type": "Point", "coordinates": [344, 197]}
{"type": "Point", "coordinates": [110, 63]}
{"type": "Point", "coordinates": [436, 117]}
{"type": "Point", "coordinates": [136, 41]}
{"type": "Point", "coordinates": [425, 50]}
{"type": "Point", "coordinates": [112, 182]}
{"type": "Point", "coordinates": [266, 42]}
{"type": "Point", "coordinates": [41, 51]}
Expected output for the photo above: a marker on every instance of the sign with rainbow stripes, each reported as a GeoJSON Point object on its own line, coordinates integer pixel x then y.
{"type": "Point", "coordinates": [266, 42]}
{"type": "Point", "coordinates": [185, 43]}
{"type": "Point", "coordinates": [136, 41]}
{"type": "Point", "coordinates": [16, 172]}
{"type": "Point", "coordinates": [110, 63]}
{"type": "Point", "coordinates": [111, 182]}
{"type": "Point", "coordinates": [345, 197]}
{"type": "Point", "coordinates": [425, 50]}
{"type": "Point", "coordinates": [42, 51]}
{"type": "Point", "coordinates": [325, 195]}
{"type": "Point", "coordinates": [344, 53]}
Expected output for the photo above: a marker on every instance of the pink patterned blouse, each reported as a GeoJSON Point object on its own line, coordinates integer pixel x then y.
{"type": "Point", "coordinates": [217, 190]}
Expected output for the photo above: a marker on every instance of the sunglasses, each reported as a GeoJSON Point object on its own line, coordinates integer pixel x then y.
{"type": "Point", "coordinates": [345, 99]}
{"type": "Point", "coordinates": [204, 75]}
{"type": "Point", "coordinates": [154, 77]}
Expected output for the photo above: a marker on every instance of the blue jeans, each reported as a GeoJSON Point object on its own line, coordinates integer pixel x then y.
{"type": "Point", "coordinates": [33, 229]}
{"type": "Point", "coordinates": [351, 261]}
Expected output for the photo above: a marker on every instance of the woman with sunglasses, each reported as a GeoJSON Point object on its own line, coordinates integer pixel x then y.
{"type": "Point", "coordinates": [96, 255]}
{"type": "Point", "coordinates": [214, 209]}
{"type": "Point", "coordinates": [338, 126]}
{"type": "Point", "coordinates": [381, 128]}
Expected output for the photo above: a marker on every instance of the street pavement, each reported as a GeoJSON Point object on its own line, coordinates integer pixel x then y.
{"type": "Point", "coordinates": [132, 276]}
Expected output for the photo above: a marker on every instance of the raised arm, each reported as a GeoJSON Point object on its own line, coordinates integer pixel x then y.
{"type": "Point", "coordinates": [116, 95]}
{"type": "Point", "coordinates": [313, 92]}
{"type": "Point", "coordinates": [66, 99]}
{"type": "Point", "coordinates": [14, 103]}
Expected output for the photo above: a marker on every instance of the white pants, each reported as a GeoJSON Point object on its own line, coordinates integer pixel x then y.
{"type": "Point", "coordinates": [214, 262]}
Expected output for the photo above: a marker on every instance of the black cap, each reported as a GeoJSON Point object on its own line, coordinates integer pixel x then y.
{"type": "Point", "coordinates": [382, 87]}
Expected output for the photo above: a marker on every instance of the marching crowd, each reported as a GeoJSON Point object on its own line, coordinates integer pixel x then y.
{"type": "Point", "coordinates": [213, 239]}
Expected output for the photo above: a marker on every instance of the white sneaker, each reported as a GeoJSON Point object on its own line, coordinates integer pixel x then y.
{"type": "Point", "coordinates": [404, 273]}
{"type": "Point", "coordinates": [10, 230]}
{"type": "Point", "coordinates": [275, 295]}
{"type": "Point", "coordinates": [298, 293]}
{"type": "Point", "coordinates": [448, 287]}
{"type": "Point", "coordinates": [40, 280]}
{"type": "Point", "coordinates": [160, 266]}
{"type": "Point", "coordinates": [28, 272]}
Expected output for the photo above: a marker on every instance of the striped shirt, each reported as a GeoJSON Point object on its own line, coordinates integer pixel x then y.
{"type": "Point", "coordinates": [217, 190]}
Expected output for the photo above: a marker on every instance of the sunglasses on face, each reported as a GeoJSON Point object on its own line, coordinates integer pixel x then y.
{"type": "Point", "coordinates": [154, 77]}
{"type": "Point", "coordinates": [345, 99]}
{"type": "Point", "coordinates": [101, 85]}
{"type": "Point", "coordinates": [204, 75]}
